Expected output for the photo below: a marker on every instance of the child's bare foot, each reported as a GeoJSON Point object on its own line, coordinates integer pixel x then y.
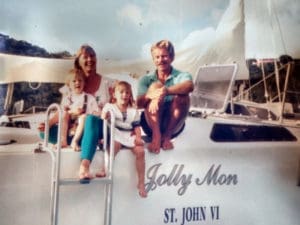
{"type": "Point", "coordinates": [101, 173]}
{"type": "Point", "coordinates": [75, 146]}
{"type": "Point", "coordinates": [142, 190]}
{"type": "Point", "coordinates": [100, 141]}
{"type": "Point", "coordinates": [61, 146]}
{"type": "Point", "coordinates": [64, 144]}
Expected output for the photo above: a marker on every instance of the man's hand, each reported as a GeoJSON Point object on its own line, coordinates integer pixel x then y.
{"type": "Point", "coordinates": [156, 93]}
{"type": "Point", "coordinates": [156, 96]}
{"type": "Point", "coordinates": [154, 105]}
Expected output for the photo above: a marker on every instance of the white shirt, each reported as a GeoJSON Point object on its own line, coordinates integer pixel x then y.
{"type": "Point", "coordinates": [102, 95]}
{"type": "Point", "coordinates": [124, 124]}
{"type": "Point", "coordinates": [76, 101]}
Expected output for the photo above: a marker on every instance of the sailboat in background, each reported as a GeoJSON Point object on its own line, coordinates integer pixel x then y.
{"type": "Point", "coordinates": [266, 83]}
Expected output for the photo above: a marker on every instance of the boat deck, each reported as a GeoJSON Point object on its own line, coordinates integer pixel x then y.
{"type": "Point", "coordinates": [265, 190]}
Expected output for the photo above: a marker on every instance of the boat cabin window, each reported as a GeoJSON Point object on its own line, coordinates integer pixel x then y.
{"type": "Point", "coordinates": [249, 133]}
{"type": "Point", "coordinates": [262, 113]}
{"type": "Point", "coordinates": [19, 124]}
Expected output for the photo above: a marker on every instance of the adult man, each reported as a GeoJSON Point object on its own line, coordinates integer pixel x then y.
{"type": "Point", "coordinates": [164, 95]}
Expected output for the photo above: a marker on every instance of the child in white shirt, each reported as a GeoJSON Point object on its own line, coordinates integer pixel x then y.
{"type": "Point", "coordinates": [76, 104]}
{"type": "Point", "coordinates": [127, 129]}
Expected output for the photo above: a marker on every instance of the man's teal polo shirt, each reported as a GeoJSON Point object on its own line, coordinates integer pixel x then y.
{"type": "Point", "coordinates": [175, 77]}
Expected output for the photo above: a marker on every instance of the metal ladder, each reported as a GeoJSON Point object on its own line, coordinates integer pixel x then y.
{"type": "Point", "coordinates": [56, 181]}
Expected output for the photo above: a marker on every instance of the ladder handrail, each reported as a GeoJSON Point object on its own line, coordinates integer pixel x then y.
{"type": "Point", "coordinates": [55, 168]}
{"type": "Point", "coordinates": [108, 186]}
{"type": "Point", "coordinates": [56, 163]}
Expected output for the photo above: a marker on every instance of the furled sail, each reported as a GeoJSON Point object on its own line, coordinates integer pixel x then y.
{"type": "Point", "coordinates": [229, 45]}
{"type": "Point", "coordinates": [272, 28]}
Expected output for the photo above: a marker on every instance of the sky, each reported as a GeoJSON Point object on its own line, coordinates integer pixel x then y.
{"type": "Point", "coordinates": [125, 29]}
{"type": "Point", "coordinates": [117, 29]}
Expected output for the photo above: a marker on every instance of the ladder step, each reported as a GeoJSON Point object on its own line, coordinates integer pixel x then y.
{"type": "Point", "coordinates": [76, 181]}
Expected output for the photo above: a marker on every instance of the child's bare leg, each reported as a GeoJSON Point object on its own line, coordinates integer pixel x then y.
{"type": "Point", "coordinates": [102, 172]}
{"type": "Point", "coordinates": [84, 170]}
{"type": "Point", "coordinates": [64, 131]}
{"type": "Point", "coordinates": [140, 168]}
{"type": "Point", "coordinates": [78, 133]}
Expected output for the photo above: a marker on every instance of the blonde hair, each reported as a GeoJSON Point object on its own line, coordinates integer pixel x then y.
{"type": "Point", "coordinates": [73, 73]}
{"type": "Point", "coordinates": [127, 87]}
{"type": "Point", "coordinates": [164, 44]}
{"type": "Point", "coordinates": [83, 49]}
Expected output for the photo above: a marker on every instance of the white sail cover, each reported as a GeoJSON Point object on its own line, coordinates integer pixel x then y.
{"type": "Point", "coordinates": [247, 29]}
{"type": "Point", "coordinates": [272, 28]}
{"type": "Point", "coordinates": [15, 68]}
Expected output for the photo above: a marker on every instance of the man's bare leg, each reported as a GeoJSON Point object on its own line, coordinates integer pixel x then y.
{"type": "Point", "coordinates": [153, 122]}
{"type": "Point", "coordinates": [153, 119]}
{"type": "Point", "coordinates": [177, 115]}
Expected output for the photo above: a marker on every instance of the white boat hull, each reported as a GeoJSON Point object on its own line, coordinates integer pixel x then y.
{"type": "Point", "coordinates": [250, 183]}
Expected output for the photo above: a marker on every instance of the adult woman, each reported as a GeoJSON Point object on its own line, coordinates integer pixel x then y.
{"type": "Point", "coordinates": [100, 87]}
